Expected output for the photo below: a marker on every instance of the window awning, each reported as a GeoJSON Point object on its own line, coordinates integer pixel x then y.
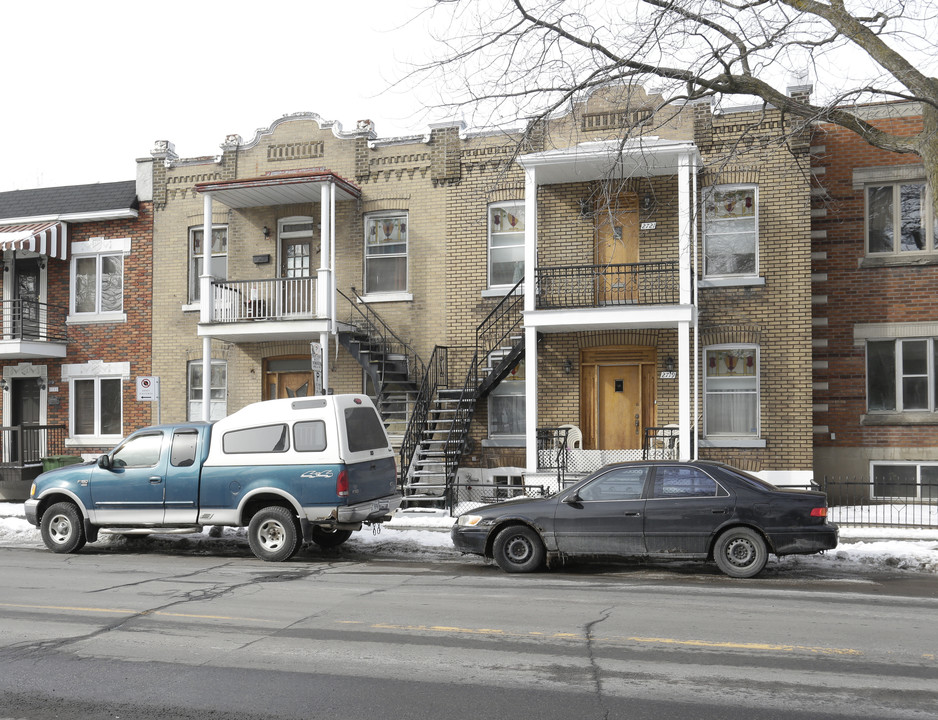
{"type": "Point", "coordinates": [45, 238]}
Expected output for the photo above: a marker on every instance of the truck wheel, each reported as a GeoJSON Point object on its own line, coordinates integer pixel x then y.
{"type": "Point", "coordinates": [274, 534]}
{"type": "Point", "coordinates": [62, 529]}
{"type": "Point", "coordinates": [327, 538]}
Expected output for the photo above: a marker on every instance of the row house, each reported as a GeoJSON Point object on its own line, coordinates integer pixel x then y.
{"type": "Point", "coordinates": [75, 322]}
{"type": "Point", "coordinates": [627, 278]}
{"type": "Point", "coordinates": [875, 269]}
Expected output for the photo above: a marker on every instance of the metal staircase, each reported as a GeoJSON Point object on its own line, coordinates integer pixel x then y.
{"type": "Point", "coordinates": [438, 431]}
{"type": "Point", "coordinates": [393, 368]}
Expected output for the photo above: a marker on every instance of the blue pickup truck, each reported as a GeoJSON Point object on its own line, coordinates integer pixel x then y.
{"type": "Point", "coordinates": [291, 471]}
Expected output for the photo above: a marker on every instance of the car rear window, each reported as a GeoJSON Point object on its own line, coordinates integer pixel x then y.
{"type": "Point", "coordinates": [364, 430]}
{"type": "Point", "coordinates": [263, 439]}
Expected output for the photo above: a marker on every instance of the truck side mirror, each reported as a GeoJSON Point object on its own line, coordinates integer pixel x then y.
{"type": "Point", "coordinates": [104, 462]}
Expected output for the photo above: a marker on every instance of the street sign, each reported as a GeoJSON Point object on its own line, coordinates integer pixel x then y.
{"type": "Point", "coordinates": [148, 388]}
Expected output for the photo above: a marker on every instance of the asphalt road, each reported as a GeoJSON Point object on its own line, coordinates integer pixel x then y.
{"type": "Point", "coordinates": [130, 633]}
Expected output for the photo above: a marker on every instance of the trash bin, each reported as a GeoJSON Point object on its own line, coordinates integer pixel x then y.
{"type": "Point", "coordinates": [56, 461]}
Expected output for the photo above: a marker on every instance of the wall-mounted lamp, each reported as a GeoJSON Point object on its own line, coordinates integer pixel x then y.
{"type": "Point", "coordinates": [42, 264]}
{"type": "Point", "coordinates": [647, 201]}
{"type": "Point", "coordinates": [567, 367]}
{"type": "Point", "coordinates": [669, 364]}
{"type": "Point", "coordinates": [266, 232]}
{"type": "Point", "coordinates": [42, 384]}
{"type": "Point", "coordinates": [3, 384]}
{"type": "Point", "coordinates": [6, 268]}
{"type": "Point", "coordinates": [586, 208]}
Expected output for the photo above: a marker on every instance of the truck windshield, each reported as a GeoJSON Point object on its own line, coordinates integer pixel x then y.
{"type": "Point", "coordinates": [364, 430]}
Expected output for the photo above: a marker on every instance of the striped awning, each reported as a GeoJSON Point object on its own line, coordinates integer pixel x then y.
{"type": "Point", "coordinates": [46, 238]}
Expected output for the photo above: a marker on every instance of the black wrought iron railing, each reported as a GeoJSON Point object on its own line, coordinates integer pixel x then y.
{"type": "Point", "coordinates": [435, 376]}
{"type": "Point", "coordinates": [502, 325]}
{"type": "Point", "coordinates": [585, 286]}
{"type": "Point", "coordinates": [459, 430]}
{"type": "Point", "coordinates": [552, 451]}
{"type": "Point", "coordinates": [29, 320]}
{"type": "Point", "coordinates": [22, 445]}
{"type": "Point", "coordinates": [881, 502]}
{"type": "Point", "coordinates": [661, 443]}
{"type": "Point", "coordinates": [364, 317]}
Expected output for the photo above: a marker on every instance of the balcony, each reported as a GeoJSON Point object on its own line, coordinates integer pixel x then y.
{"type": "Point", "coordinates": [32, 330]}
{"type": "Point", "coordinates": [264, 310]}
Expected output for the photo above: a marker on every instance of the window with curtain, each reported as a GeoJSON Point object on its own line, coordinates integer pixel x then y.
{"type": "Point", "coordinates": [197, 257]}
{"type": "Point", "coordinates": [899, 219]}
{"type": "Point", "coordinates": [731, 231]}
{"type": "Point", "coordinates": [731, 391]}
{"type": "Point", "coordinates": [386, 252]}
{"type": "Point", "coordinates": [506, 243]}
{"type": "Point", "coordinates": [97, 284]}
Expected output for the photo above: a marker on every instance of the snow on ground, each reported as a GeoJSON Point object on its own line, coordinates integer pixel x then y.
{"type": "Point", "coordinates": [426, 535]}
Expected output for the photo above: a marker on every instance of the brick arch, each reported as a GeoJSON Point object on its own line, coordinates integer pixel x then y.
{"type": "Point", "coordinates": [601, 338]}
{"type": "Point", "coordinates": [730, 175]}
{"type": "Point", "coordinates": [731, 335]}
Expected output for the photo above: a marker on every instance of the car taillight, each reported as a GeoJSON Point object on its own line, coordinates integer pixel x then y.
{"type": "Point", "coordinates": [819, 512]}
{"type": "Point", "coordinates": [341, 484]}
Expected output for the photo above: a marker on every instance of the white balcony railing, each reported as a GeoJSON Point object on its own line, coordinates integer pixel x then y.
{"type": "Point", "coordinates": [274, 299]}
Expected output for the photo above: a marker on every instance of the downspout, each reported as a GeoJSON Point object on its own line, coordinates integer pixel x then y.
{"type": "Point", "coordinates": [206, 305]}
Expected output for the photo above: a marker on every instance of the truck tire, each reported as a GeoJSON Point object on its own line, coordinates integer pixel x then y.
{"type": "Point", "coordinates": [274, 534]}
{"type": "Point", "coordinates": [327, 538]}
{"type": "Point", "coordinates": [62, 529]}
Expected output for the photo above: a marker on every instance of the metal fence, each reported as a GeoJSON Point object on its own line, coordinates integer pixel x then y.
{"type": "Point", "coordinates": [882, 502]}
{"type": "Point", "coordinates": [466, 496]}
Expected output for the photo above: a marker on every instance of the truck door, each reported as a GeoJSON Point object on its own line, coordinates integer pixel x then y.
{"type": "Point", "coordinates": [182, 480]}
{"type": "Point", "coordinates": [131, 491]}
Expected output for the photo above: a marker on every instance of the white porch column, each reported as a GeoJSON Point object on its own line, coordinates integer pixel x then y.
{"type": "Point", "coordinates": [685, 219]}
{"type": "Point", "coordinates": [686, 247]}
{"type": "Point", "coordinates": [206, 304]}
{"type": "Point", "coordinates": [683, 390]}
{"type": "Point", "coordinates": [530, 333]}
{"type": "Point", "coordinates": [325, 280]}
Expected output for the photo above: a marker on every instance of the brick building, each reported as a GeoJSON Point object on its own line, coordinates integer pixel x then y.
{"type": "Point", "coordinates": [874, 272]}
{"type": "Point", "coordinates": [76, 329]}
{"type": "Point", "coordinates": [636, 271]}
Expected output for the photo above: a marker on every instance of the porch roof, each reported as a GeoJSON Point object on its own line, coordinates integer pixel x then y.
{"type": "Point", "coordinates": [603, 159]}
{"type": "Point", "coordinates": [278, 189]}
{"type": "Point", "coordinates": [46, 238]}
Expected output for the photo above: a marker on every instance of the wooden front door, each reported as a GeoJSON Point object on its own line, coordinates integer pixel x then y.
{"type": "Point", "coordinates": [619, 407]}
{"type": "Point", "coordinates": [616, 249]}
{"type": "Point", "coordinates": [289, 377]}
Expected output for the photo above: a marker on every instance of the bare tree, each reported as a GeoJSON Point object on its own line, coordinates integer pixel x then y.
{"type": "Point", "coordinates": [530, 58]}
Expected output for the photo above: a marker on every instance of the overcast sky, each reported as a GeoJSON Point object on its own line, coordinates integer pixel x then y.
{"type": "Point", "coordinates": [89, 86]}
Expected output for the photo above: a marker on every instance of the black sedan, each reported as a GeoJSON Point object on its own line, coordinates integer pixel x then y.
{"type": "Point", "coordinates": [656, 509]}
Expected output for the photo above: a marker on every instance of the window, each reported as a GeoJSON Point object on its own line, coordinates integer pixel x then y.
{"type": "Point", "coordinates": [264, 439]}
{"type": "Point", "coordinates": [310, 436]}
{"type": "Point", "coordinates": [364, 430]}
{"type": "Point", "coordinates": [683, 482]}
{"type": "Point", "coordinates": [96, 406]}
{"type": "Point", "coordinates": [386, 253]}
{"type": "Point", "coordinates": [900, 375]}
{"type": "Point", "coordinates": [196, 256]}
{"type": "Point", "coordinates": [619, 484]}
{"type": "Point", "coordinates": [731, 231]}
{"type": "Point", "coordinates": [218, 391]}
{"type": "Point", "coordinates": [506, 243]}
{"type": "Point", "coordinates": [182, 453]}
{"type": "Point", "coordinates": [905, 480]}
{"type": "Point", "coordinates": [899, 219]}
{"type": "Point", "coordinates": [139, 451]}
{"type": "Point", "coordinates": [507, 407]}
{"type": "Point", "coordinates": [731, 391]}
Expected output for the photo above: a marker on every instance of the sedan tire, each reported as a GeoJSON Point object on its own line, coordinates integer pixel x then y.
{"type": "Point", "coordinates": [518, 549]}
{"type": "Point", "coordinates": [740, 552]}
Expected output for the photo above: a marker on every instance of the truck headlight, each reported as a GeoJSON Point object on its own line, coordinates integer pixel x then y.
{"type": "Point", "coordinates": [32, 490]}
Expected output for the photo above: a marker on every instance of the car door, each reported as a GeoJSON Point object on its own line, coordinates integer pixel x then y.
{"type": "Point", "coordinates": [685, 505]}
{"type": "Point", "coordinates": [131, 490]}
{"type": "Point", "coordinates": [603, 517]}
{"type": "Point", "coordinates": [181, 493]}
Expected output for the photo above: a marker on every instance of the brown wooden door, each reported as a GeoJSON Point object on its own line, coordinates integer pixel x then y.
{"type": "Point", "coordinates": [289, 385]}
{"type": "Point", "coordinates": [617, 247]}
{"type": "Point", "coordinates": [619, 419]}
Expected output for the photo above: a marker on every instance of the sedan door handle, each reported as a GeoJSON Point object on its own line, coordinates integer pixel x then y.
{"type": "Point", "coordinates": [155, 480]}
{"type": "Point", "coordinates": [633, 514]}
{"type": "Point", "coordinates": [720, 511]}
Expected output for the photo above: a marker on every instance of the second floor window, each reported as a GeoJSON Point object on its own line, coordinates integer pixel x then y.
{"type": "Point", "coordinates": [731, 231]}
{"type": "Point", "coordinates": [386, 253]}
{"type": "Point", "coordinates": [900, 375]}
{"type": "Point", "coordinates": [196, 257]}
{"type": "Point", "coordinates": [899, 219]}
{"type": "Point", "coordinates": [98, 284]}
{"type": "Point", "coordinates": [506, 244]}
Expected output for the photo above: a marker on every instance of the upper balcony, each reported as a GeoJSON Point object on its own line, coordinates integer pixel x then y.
{"type": "Point", "coordinates": [276, 309]}
{"type": "Point", "coordinates": [32, 330]}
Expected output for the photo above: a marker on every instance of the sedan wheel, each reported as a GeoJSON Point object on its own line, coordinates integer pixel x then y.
{"type": "Point", "coordinates": [518, 549]}
{"type": "Point", "coordinates": [740, 553]}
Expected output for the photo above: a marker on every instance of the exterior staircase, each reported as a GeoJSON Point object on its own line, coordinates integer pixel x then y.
{"type": "Point", "coordinates": [392, 367]}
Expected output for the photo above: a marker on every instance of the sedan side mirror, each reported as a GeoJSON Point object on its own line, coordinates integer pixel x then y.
{"type": "Point", "coordinates": [104, 462]}
{"type": "Point", "coordinates": [573, 499]}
